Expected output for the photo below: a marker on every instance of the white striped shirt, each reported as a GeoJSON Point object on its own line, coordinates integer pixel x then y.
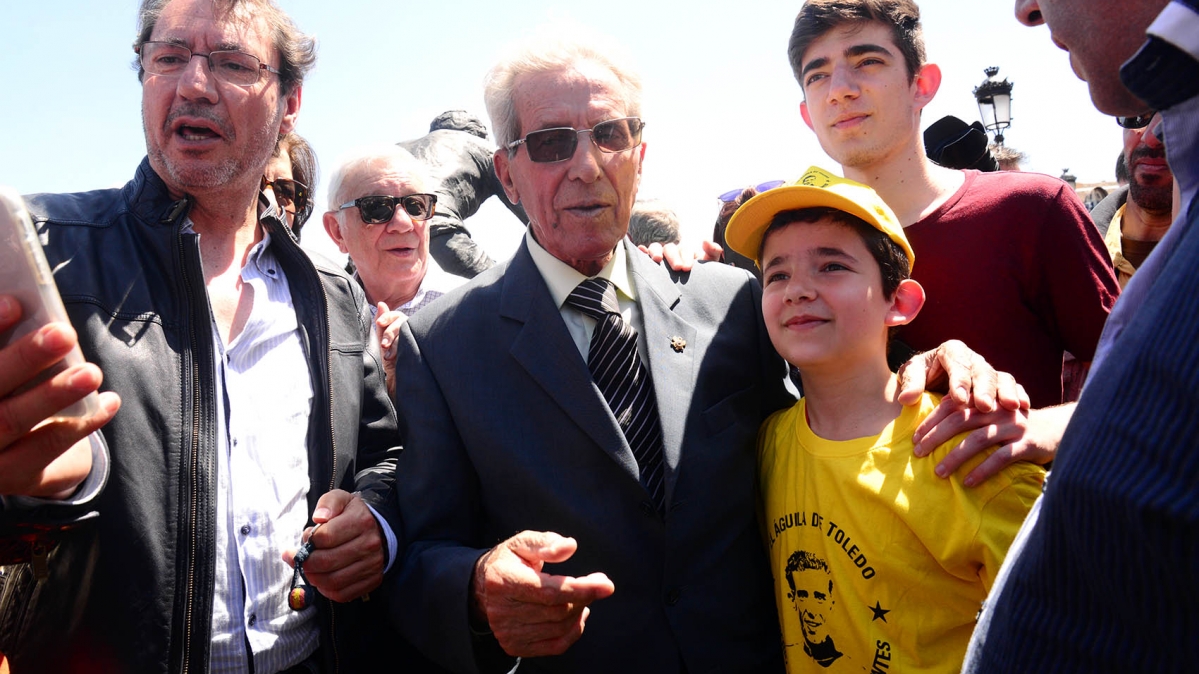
{"type": "Point", "coordinates": [262, 481]}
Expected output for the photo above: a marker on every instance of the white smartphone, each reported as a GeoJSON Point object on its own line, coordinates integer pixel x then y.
{"type": "Point", "coordinates": [25, 275]}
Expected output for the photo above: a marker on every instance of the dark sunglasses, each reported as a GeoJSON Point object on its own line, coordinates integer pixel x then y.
{"type": "Point", "coordinates": [292, 195]}
{"type": "Point", "coordinates": [1137, 122]}
{"type": "Point", "coordinates": [559, 144]}
{"type": "Point", "coordinates": [732, 195]}
{"type": "Point", "coordinates": [379, 210]}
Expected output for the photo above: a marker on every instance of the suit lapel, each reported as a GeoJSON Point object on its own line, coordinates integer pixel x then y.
{"type": "Point", "coordinates": [671, 362]}
{"type": "Point", "coordinates": [544, 349]}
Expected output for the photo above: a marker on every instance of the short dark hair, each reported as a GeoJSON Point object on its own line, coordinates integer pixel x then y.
{"type": "Point", "coordinates": [818, 17]}
{"type": "Point", "coordinates": [802, 560]}
{"type": "Point", "coordinates": [297, 51]}
{"type": "Point", "coordinates": [730, 256]}
{"type": "Point", "coordinates": [892, 261]}
{"type": "Point", "coordinates": [1121, 169]}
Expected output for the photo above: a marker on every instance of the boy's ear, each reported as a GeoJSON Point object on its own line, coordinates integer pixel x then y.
{"type": "Point", "coordinates": [927, 82]}
{"type": "Point", "coordinates": [907, 302]}
{"type": "Point", "coordinates": [803, 112]}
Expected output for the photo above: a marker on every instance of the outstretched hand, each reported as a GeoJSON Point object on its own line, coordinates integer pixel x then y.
{"type": "Point", "coordinates": [530, 612]}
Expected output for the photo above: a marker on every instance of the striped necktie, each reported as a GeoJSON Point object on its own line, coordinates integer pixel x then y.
{"type": "Point", "coordinates": [617, 370]}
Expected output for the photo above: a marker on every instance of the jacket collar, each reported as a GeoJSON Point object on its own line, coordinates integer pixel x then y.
{"type": "Point", "coordinates": [149, 199]}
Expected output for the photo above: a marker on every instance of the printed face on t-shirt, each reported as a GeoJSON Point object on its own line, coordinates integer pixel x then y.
{"type": "Point", "coordinates": [813, 602]}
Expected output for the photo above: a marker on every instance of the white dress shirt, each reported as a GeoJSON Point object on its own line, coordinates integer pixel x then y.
{"type": "Point", "coordinates": [562, 279]}
{"type": "Point", "coordinates": [265, 390]}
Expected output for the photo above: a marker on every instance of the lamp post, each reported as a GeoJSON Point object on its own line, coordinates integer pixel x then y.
{"type": "Point", "coordinates": [994, 98]}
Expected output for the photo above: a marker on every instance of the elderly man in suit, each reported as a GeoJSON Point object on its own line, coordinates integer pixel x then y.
{"type": "Point", "coordinates": [581, 390]}
{"type": "Point", "coordinates": [507, 431]}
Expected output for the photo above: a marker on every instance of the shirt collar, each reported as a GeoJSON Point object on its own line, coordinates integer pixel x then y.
{"type": "Point", "coordinates": [258, 256]}
{"type": "Point", "coordinates": [1113, 232]}
{"type": "Point", "coordinates": [1165, 71]}
{"type": "Point", "coordinates": [562, 279]}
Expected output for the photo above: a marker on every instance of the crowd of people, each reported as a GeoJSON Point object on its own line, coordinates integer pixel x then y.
{"type": "Point", "coordinates": [586, 458]}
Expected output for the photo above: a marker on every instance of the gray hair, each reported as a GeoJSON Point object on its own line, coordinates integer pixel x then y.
{"type": "Point", "coordinates": [549, 54]}
{"type": "Point", "coordinates": [297, 51]}
{"type": "Point", "coordinates": [651, 222]}
{"type": "Point", "coordinates": [372, 159]}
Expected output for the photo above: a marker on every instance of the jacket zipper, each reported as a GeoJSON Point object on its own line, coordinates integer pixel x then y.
{"type": "Point", "coordinates": [189, 603]}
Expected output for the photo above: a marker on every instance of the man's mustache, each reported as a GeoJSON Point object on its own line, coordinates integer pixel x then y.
{"type": "Point", "coordinates": [1146, 152]}
{"type": "Point", "coordinates": [204, 112]}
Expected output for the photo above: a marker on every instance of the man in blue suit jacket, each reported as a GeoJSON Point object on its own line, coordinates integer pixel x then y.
{"type": "Point", "coordinates": [506, 432]}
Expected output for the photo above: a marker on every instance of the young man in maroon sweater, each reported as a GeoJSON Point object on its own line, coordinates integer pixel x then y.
{"type": "Point", "coordinates": [1013, 265]}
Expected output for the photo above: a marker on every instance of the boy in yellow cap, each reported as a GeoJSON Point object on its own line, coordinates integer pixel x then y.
{"type": "Point", "coordinates": [878, 564]}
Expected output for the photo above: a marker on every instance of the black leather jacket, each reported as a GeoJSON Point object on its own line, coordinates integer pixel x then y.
{"type": "Point", "coordinates": [142, 575]}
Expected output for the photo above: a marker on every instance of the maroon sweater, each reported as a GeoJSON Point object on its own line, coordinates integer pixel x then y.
{"type": "Point", "coordinates": [1013, 266]}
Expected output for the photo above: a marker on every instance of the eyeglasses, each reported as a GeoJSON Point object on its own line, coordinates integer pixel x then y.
{"type": "Point", "coordinates": [379, 210]}
{"type": "Point", "coordinates": [559, 143]}
{"type": "Point", "coordinates": [731, 195]}
{"type": "Point", "coordinates": [231, 66]}
{"type": "Point", "coordinates": [292, 196]}
{"type": "Point", "coordinates": [1137, 122]}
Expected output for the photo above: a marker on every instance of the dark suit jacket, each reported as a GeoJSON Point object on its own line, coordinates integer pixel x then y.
{"type": "Point", "coordinates": [1106, 581]}
{"type": "Point", "coordinates": [505, 431]}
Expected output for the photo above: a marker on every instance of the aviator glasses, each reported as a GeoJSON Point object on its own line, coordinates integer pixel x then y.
{"type": "Point", "coordinates": [227, 65]}
{"type": "Point", "coordinates": [559, 143]}
{"type": "Point", "coordinates": [292, 196]}
{"type": "Point", "coordinates": [379, 210]}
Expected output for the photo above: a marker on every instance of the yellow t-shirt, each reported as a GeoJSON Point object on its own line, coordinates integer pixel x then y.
{"type": "Point", "coordinates": [890, 563]}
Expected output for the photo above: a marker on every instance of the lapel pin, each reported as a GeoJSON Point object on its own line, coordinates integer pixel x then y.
{"type": "Point", "coordinates": [678, 344]}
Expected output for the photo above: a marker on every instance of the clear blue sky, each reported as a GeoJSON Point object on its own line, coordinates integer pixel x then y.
{"type": "Point", "coordinates": [721, 104]}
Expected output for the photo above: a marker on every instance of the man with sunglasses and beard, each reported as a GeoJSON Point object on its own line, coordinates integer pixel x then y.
{"type": "Point", "coordinates": [379, 215]}
{"type": "Point", "coordinates": [1135, 218]}
{"type": "Point", "coordinates": [252, 402]}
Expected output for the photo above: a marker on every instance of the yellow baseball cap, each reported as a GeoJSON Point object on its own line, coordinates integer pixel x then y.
{"type": "Point", "coordinates": [816, 188]}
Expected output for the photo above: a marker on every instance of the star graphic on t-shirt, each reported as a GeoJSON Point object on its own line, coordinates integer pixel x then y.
{"type": "Point", "coordinates": [880, 613]}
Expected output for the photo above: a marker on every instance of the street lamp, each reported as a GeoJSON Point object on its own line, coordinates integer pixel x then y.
{"type": "Point", "coordinates": [995, 103]}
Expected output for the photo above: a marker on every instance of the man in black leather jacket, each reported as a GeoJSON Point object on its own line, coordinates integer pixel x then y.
{"type": "Point", "coordinates": [151, 275]}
